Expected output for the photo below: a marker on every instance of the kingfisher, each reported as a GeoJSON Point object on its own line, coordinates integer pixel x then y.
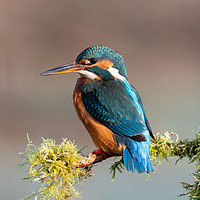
{"type": "Point", "coordinates": [110, 107]}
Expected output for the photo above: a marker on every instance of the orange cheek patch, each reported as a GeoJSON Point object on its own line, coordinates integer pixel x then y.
{"type": "Point", "coordinates": [105, 64]}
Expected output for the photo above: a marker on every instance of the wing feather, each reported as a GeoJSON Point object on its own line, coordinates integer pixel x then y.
{"type": "Point", "coordinates": [113, 106]}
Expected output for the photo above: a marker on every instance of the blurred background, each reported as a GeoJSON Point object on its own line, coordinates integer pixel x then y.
{"type": "Point", "coordinates": [160, 42]}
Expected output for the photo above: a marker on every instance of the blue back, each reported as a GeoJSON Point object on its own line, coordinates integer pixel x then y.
{"type": "Point", "coordinates": [117, 105]}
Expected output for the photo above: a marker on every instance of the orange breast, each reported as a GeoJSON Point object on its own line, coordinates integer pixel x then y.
{"type": "Point", "coordinates": [101, 135]}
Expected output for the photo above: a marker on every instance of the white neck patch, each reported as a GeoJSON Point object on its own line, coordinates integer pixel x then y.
{"type": "Point", "coordinates": [115, 73]}
{"type": "Point", "coordinates": [88, 74]}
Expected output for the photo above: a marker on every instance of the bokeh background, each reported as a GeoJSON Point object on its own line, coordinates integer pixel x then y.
{"type": "Point", "coordinates": [160, 42]}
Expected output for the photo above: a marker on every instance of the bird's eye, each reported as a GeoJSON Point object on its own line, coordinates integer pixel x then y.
{"type": "Point", "coordinates": [93, 60]}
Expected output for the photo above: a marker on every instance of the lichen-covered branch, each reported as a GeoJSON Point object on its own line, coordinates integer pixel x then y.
{"type": "Point", "coordinates": [53, 166]}
{"type": "Point", "coordinates": [91, 159]}
{"type": "Point", "coordinates": [58, 168]}
{"type": "Point", "coordinates": [164, 147]}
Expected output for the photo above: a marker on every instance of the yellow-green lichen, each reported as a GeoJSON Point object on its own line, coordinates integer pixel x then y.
{"type": "Point", "coordinates": [53, 166]}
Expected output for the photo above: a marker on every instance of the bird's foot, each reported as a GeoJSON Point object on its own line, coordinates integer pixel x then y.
{"type": "Point", "coordinates": [98, 152]}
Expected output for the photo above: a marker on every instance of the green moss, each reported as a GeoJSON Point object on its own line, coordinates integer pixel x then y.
{"type": "Point", "coordinates": [163, 147]}
{"type": "Point", "coordinates": [192, 150]}
{"type": "Point", "coordinates": [53, 167]}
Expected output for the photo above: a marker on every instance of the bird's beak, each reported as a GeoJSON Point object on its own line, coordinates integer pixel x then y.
{"type": "Point", "coordinates": [71, 67]}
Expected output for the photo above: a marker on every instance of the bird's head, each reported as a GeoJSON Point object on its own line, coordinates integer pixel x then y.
{"type": "Point", "coordinates": [96, 62]}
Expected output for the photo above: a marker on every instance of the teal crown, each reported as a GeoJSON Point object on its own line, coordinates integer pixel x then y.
{"type": "Point", "coordinates": [104, 53]}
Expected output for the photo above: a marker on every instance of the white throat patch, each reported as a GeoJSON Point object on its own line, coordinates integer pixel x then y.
{"type": "Point", "coordinates": [88, 74]}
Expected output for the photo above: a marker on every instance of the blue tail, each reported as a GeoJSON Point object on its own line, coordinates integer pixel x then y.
{"type": "Point", "coordinates": [137, 156]}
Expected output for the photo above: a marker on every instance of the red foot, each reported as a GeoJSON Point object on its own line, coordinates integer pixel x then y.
{"type": "Point", "coordinates": [100, 152]}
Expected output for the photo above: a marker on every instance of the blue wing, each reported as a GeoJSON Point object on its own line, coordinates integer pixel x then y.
{"type": "Point", "coordinates": [113, 106]}
{"type": "Point", "coordinates": [118, 106]}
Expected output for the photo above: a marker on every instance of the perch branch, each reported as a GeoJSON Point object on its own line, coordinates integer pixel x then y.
{"type": "Point", "coordinates": [92, 159]}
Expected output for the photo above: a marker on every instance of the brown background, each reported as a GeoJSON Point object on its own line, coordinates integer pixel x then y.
{"type": "Point", "coordinates": [160, 44]}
